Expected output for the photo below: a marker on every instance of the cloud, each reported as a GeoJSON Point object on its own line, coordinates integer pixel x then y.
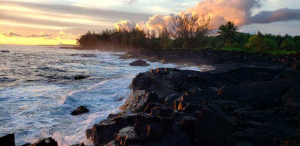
{"type": "Point", "coordinates": [11, 34]}
{"type": "Point", "coordinates": [130, 2]}
{"type": "Point", "coordinates": [41, 35]}
{"type": "Point", "coordinates": [222, 11]}
{"type": "Point", "coordinates": [80, 5]}
{"type": "Point", "coordinates": [276, 16]}
{"type": "Point", "coordinates": [125, 24]}
{"type": "Point", "coordinates": [61, 33]}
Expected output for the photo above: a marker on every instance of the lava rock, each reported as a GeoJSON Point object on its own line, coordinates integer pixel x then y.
{"type": "Point", "coordinates": [213, 126]}
{"type": "Point", "coordinates": [46, 142]}
{"type": "Point", "coordinates": [4, 51]}
{"type": "Point", "coordinates": [80, 110]}
{"type": "Point", "coordinates": [80, 77]}
{"type": "Point", "coordinates": [197, 95]}
{"type": "Point", "coordinates": [139, 63]}
{"type": "Point", "coordinates": [8, 140]}
{"type": "Point", "coordinates": [105, 131]}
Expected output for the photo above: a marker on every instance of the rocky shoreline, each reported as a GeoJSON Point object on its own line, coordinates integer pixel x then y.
{"type": "Point", "coordinates": [246, 100]}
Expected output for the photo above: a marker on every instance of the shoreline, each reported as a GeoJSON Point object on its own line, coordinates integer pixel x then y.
{"type": "Point", "coordinates": [177, 103]}
{"type": "Point", "coordinates": [180, 107]}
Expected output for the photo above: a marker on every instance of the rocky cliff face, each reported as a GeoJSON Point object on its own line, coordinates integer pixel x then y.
{"type": "Point", "coordinates": [238, 107]}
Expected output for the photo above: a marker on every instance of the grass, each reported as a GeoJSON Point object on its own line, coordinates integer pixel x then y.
{"type": "Point", "coordinates": [275, 52]}
{"type": "Point", "coordinates": [280, 52]}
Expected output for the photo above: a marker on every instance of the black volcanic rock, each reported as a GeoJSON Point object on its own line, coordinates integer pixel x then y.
{"type": "Point", "coordinates": [8, 140]}
{"type": "Point", "coordinates": [80, 110]}
{"type": "Point", "coordinates": [237, 106]}
{"type": "Point", "coordinates": [46, 142]}
{"type": "Point", "coordinates": [4, 51]}
{"type": "Point", "coordinates": [139, 63]}
{"type": "Point", "coordinates": [80, 77]}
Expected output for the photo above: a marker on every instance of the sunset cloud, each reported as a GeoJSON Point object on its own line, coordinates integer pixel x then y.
{"type": "Point", "coordinates": [220, 12]}
{"type": "Point", "coordinates": [37, 39]}
{"type": "Point", "coordinates": [10, 34]}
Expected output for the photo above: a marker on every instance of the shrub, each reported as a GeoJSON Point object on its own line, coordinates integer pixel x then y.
{"type": "Point", "coordinates": [298, 45]}
{"type": "Point", "coordinates": [287, 44]}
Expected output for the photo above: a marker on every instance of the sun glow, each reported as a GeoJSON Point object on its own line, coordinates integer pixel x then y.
{"type": "Point", "coordinates": [35, 40]}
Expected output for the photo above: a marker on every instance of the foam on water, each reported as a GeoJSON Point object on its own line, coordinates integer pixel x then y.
{"type": "Point", "coordinates": [38, 102]}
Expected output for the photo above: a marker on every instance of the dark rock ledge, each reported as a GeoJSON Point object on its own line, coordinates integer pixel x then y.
{"type": "Point", "coordinates": [242, 106]}
{"type": "Point", "coordinates": [245, 106]}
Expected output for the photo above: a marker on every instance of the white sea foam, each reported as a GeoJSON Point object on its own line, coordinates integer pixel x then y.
{"type": "Point", "coordinates": [37, 109]}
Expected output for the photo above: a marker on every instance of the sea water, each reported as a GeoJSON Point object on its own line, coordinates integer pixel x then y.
{"type": "Point", "coordinates": [38, 91]}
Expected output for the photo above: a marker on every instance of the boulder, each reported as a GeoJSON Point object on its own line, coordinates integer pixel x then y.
{"type": "Point", "coordinates": [8, 140]}
{"type": "Point", "coordinates": [46, 142]}
{"type": "Point", "coordinates": [139, 102]}
{"type": "Point", "coordinates": [139, 63]}
{"type": "Point", "coordinates": [150, 106]}
{"type": "Point", "coordinates": [80, 77]}
{"type": "Point", "coordinates": [4, 51]}
{"type": "Point", "coordinates": [188, 125]}
{"type": "Point", "coordinates": [105, 132]}
{"type": "Point", "coordinates": [120, 137]}
{"type": "Point", "coordinates": [161, 112]}
{"type": "Point", "coordinates": [155, 132]}
{"type": "Point", "coordinates": [80, 110]}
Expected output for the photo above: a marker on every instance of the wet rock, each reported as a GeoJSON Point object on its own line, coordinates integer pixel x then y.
{"type": "Point", "coordinates": [105, 132]}
{"type": "Point", "coordinates": [139, 63]}
{"type": "Point", "coordinates": [46, 142]}
{"type": "Point", "coordinates": [141, 82]}
{"type": "Point", "coordinates": [8, 140]}
{"type": "Point", "coordinates": [89, 133]}
{"type": "Point", "coordinates": [140, 102]}
{"type": "Point", "coordinates": [88, 55]}
{"type": "Point", "coordinates": [80, 77]}
{"type": "Point", "coordinates": [80, 110]}
{"type": "Point", "coordinates": [4, 51]}
{"type": "Point", "coordinates": [120, 137]}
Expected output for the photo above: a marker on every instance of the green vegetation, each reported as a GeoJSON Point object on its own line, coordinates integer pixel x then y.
{"type": "Point", "coordinates": [190, 32]}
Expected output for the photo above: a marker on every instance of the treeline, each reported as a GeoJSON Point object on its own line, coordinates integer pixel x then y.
{"type": "Point", "coordinates": [189, 32]}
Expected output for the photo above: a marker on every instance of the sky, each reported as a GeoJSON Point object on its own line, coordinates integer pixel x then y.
{"type": "Point", "coordinates": [50, 22]}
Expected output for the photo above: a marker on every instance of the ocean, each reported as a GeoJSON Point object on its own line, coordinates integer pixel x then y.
{"type": "Point", "coordinates": [38, 91]}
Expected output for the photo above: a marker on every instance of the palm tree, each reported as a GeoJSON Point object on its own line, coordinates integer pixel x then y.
{"type": "Point", "coordinates": [228, 31]}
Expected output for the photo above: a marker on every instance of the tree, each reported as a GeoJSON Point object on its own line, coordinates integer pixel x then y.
{"type": "Point", "coordinates": [287, 44]}
{"type": "Point", "coordinates": [228, 31]}
{"type": "Point", "coordinates": [190, 29]}
{"type": "Point", "coordinates": [164, 38]}
{"type": "Point", "coordinates": [259, 43]}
